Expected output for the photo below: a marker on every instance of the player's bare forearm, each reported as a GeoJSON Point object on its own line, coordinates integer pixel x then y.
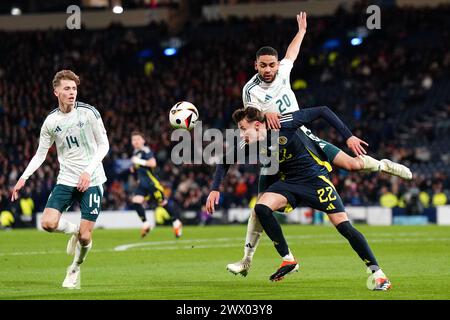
{"type": "Point", "coordinates": [294, 47]}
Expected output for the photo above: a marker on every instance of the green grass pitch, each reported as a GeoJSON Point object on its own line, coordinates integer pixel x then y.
{"type": "Point", "coordinates": [416, 259]}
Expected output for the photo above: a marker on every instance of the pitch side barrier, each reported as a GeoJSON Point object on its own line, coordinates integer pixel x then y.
{"type": "Point", "coordinates": [124, 219]}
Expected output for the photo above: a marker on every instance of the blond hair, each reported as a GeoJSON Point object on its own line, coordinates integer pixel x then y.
{"type": "Point", "coordinates": [65, 75]}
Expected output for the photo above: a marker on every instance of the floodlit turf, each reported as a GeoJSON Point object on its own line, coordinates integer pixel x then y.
{"type": "Point", "coordinates": [417, 260]}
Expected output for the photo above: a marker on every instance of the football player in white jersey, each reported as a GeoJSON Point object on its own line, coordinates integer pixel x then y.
{"type": "Point", "coordinates": [81, 143]}
{"type": "Point", "coordinates": [270, 91]}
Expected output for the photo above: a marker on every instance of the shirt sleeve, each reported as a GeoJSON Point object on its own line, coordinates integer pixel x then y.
{"type": "Point", "coordinates": [285, 68]}
{"type": "Point", "coordinates": [148, 155]}
{"type": "Point", "coordinates": [248, 100]}
{"type": "Point", "coordinates": [222, 168]}
{"type": "Point", "coordinates": [305, 116]}
{"type": "Point", "coordinates": [221, 172]}
{"type": "Point", "coordinates": [45, 142]}
{"type": "Point", "coordinates": [102, 144]}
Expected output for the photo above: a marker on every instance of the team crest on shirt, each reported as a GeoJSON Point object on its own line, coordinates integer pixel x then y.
{"type": "Point", "coordinates": [282, 140]}
{"type": "Point", "coordinates": [80, 124]}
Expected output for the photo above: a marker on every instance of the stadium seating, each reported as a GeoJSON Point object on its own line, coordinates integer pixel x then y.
{"type": "Point", "coordinates": [393, 91]}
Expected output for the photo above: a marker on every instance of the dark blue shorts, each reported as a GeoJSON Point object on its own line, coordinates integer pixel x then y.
{"type": "Point", "coordinates": [318, 193]}
{"type": "Point", "coordinates": [150, 190]}
{"type": "Point", "coordinates": [265, 181]}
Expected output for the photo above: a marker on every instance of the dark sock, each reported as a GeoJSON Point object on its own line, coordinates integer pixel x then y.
{"type": "Point", "coordinates": [172, 210]}
{"type": "Point", "coordinates": [359, 244]}
{"type": "Point", "coordinates": [140, 211]}
{"type": "Point", "coordinates": [272, 228]}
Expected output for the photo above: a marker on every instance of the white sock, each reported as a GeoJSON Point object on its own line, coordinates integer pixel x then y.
{"type": "Point", "coordinates": [146, 224]}
{"type": "Point", "coordinates": [254, 232]}
{"type": "Point", "coordinates": [176, 223]}
{"type": "Point", "coordinates": [66, 227]}
{"type": "Point", "coordinates": [371, 164]}
{"type": "Point", "coordinates": [289, 257]}
{"type": "Point", "coordinates": [81, 253]}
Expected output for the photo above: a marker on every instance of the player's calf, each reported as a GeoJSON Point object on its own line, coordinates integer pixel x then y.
{"type": "Point", "coordinates": [145, 229]}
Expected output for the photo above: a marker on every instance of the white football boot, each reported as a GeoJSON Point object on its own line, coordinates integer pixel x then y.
{"type": "Point", "coordinates": [396, 169]}
{"type": "Point", "coordinates": [73, 278]}
{"type": "Point", "coordinates": [241, 267]}
{"type": "Point", "coordinates": [177, 228]}
{"type": "Point", "coordinates": [378, 281]}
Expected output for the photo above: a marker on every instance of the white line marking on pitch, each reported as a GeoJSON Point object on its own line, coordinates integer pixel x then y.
{"type": "Point", "coordinates": [218, 243]}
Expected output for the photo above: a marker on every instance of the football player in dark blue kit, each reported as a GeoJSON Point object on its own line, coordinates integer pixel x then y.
{"type": "Point", "coordinates": [302, 179]}
{"type": "Point", "coordinates": [149, 187]}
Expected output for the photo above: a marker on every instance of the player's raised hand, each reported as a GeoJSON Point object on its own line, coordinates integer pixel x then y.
{"type": "Point", "coordinates": [213, 199]}
{"type": "Point", "coordinates": [273, 120]}
{"type": "Point", "coordinates": [15, 192]}
{"type": "Point", "coordinates": [355, 144]}
{"type": "Point", "coordinates": [301, 20]}
{"type": "Point", "coordinates": [83, 182]}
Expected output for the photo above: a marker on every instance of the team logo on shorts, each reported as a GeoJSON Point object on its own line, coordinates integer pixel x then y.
{"type": "Point", "coordinates": [282, 140]}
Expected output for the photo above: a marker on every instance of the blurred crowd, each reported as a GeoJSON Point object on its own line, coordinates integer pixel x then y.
{"type": "Point", "coordinates": [392, 90]}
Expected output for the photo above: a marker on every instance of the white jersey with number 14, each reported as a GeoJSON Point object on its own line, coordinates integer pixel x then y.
{"type": "Point", "coordinates": [77, 136]}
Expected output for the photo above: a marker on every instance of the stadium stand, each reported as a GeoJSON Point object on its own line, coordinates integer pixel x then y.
{"type": "Point", "coordinates": [393, 91]}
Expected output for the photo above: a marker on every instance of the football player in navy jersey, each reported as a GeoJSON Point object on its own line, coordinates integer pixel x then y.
{"type": "Point", "coordinates": [149, 188]}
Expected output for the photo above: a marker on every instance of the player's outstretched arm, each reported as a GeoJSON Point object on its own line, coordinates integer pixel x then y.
{"type": "Point", "coordinates": [220, 173]}
{"type": "Point", "coordinates": [294, 47]}
{"type": "Point", "coordinates": [305, 116]}
{"type": "Point", "coordinates": [214, 195]}
{"type": "Point", "coordinates": [45, 142]}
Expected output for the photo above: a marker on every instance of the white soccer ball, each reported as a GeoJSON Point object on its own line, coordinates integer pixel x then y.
{"type": "Point", "coordinates": [183, 115]}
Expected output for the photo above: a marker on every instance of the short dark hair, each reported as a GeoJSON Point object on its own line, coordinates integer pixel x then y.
{"type": "Point", "coordinates": [250, 114]}
{"type": "Point", "coordinates": [266, 51]}
{"type": "Point", "coordinates": [138, 133]}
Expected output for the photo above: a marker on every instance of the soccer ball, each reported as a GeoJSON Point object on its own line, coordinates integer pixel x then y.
{"type": "Point", "coordinates": [183, 115]}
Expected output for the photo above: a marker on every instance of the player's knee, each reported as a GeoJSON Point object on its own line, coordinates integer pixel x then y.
{"type": "Point", "coordinates": [84, 238]}
{"type": "Point", "coordinates": [49, 225]}
{"type": "Point", "coordinates": [353, 165]}
{"type": "Point", "coordinates": [262, 211]}
{"type": "Point", "coordinates": [137, 200]}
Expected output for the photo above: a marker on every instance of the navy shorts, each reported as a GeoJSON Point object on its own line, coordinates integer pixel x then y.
{"type": "Point", "coordinates": [265, 181]}
{"type": "Point", "coordinates": [150, 190]}
{"type": "Point", "coordinates": [318, 193]}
